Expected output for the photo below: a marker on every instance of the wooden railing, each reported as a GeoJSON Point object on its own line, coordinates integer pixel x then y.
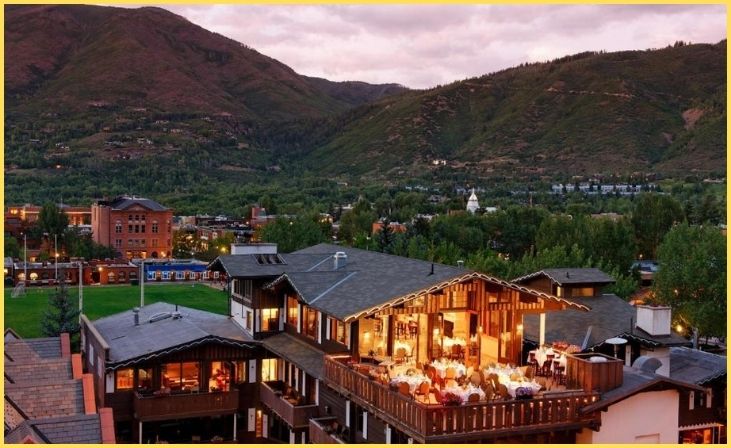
{"type": "Point", "coordinates": [551, 411]}
{"type": "Point", "coordinates": [151, 408]}
{"type": "Point", "coordinates": [318, 434]}
{"type": "Point", "coordinates": [295, 416]}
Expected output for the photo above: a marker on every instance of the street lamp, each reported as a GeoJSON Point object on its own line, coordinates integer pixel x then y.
{"type": "Point", "coordinates": [25, 259]}
{"type": "Point", "coordinates": [55, 244]}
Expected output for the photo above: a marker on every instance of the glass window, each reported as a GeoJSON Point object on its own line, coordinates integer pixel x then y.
{"type": "Point", "coordinates": [144, 379]}
{"type": "Point", "coordinates": [118, 227]}
{"type": "Point", "coordinates": [269, 369]}
{"type": "Point", "coordinates": [338, 332]}
{"type": "Point", "coordinates": [248, 320]}
{"type": "Point", "coordinates": [151, 275]}
{"type": "Point", "coordinates": [240, 372]}
{"type": "Point", "coordinates": [165, 275]}
{"type": "Point", "coordinates": [219, 379]}
{"type": "Point", "coordinates": [125, 379]}
{"type": "Point", "coordinates": [130, 228]}
{"type": "Point", "coordinates": [181, 377]}
{"type": "Point", "coordinates": [311, 322]}
{"type": "Point", "coordinates": [154, 227]}
{"type": "Point", "coordinates": [292, 311]}
{"type": "Point", "coordinates": [180, 275]}
{"type": "Point", "coordinates": [270, 319]}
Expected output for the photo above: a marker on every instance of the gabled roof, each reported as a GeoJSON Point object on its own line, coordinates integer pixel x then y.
{"type": "Point", "coordinates": [67, 429]}
{"type": "Point", "coordinates": [305, 356]}
{"type": "Point", "coordinates": [569, 276]}
{"type": "Point", "coordinates": [248, 266]}
{"type": "Point", "coordinates": [610, 316]}
{"type": "Point", "coordinates": [695, 366]}
{"type": "Point", "coordinates": [125, 202]}
{"type": "Point", "coordinates": [56, 399]}
{"type": "Point", "coordinates": [129, 343]}
{"type": "Point", "coordinates": [635, 381]}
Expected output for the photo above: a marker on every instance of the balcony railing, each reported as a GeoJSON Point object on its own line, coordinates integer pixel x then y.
{"type": "Point", "coordinates": [295, 415]}
{"type": "Point", "coordinates": [590, 376]}
{"type": "Point", "coordinates": [319, 433]}
{"type": "Point", "coordinates": [437, 422]}
{"type": "Point", "coordinates": [164, 407]}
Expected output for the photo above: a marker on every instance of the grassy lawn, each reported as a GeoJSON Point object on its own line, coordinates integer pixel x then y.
{"type": "Point", "coordinates": [23, 314]}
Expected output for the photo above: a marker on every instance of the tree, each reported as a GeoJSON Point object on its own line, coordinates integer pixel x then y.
{"type": "Point", "coordinates": [12, 248]}
{"type": "Point", "coordinates": [52, 220]}
{"type": "Point", "coordinates": [62, 315]}
{"type": "Point", "coordinates": [692, 278]}
{"type": "Point", "coordinates": [384, 237]}
{"type": "Point", "coordinates": [653, 216]}
{"type": "Point", "coordinates": [293, 234]}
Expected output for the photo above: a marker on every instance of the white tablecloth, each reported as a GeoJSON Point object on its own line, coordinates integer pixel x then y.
{"type": "Point", "coordinates": [464, 393]}
{"type": "Point", "coordinates": [512, 386]}
{"type": "Point", "coordinates": [412, 380]}
{"type": "Point", "coordinates": [441, 367]}
{"type": "Point", "coordinates": [541, 356]}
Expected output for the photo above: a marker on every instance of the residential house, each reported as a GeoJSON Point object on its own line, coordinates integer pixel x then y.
{"type": "Point", "coordinates": [48, 399]}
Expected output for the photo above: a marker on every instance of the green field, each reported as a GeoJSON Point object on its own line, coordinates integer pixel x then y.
{"type": "Point", "coordinates": [23, 314]}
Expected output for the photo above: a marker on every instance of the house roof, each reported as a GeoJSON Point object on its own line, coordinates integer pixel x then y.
{"type": "Point", "coordinates": [247, 266]}
{"type": "Point", "coordinates": [305, 356]}
{"type": "Point", "coordinates": [610, 316]}
{"type": "Point", "coordinates": [34, 361]}
{"type": "Point", "coordinates": [67, 429]}
{"type": "Point", "coordinates": [695, 366]}
{"type": "Point", "coordinates": [125, 202]}
{"type": "Point", "coordinates": [569, 276]}
{"type": "Point", "coordinates": [33, 348]}
{"type": "Point", "coordinates": [129, 343]}
{"type": "Point", "coordinates": [635, 381]}
{"type": "Point", "coordinates": [50, 399]}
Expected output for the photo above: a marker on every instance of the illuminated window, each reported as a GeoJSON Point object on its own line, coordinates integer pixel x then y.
{"type": "Point", "coordinates": [248, 320]}
{"type": "Point", "coordinates": [338, 331]}
{"type": "Point", "coordinates": [165, 275]}
{"type": "Point", "coordinates": [240, 372]}
{"type": "Point", "coordinates": [181, 377]}
{"type": "Point", "coordinates": [292, 311]}
{"type": "Point", "coordinates": [144, 379]}
{"type": "Point", "coordinates": [180, 275]}
{"type": "Point", "coordinates": [310, 322]}
{"type": "Point", "coordinates": [151, 275]}
{"type": "Point", "coordinates": [269, 369]}
{"type": "Point", "coordinates": [219, 376]}
{"type": "Point", "coordinates": [270, 319]}
{"type": "Point", "coordinates": [125, 379]}
{"type": "Point", "coordinates": [118, 227]}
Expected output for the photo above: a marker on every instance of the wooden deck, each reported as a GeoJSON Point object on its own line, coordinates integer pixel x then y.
{"type": "Point", "coordinates": [294, 416]}
{"type": "Point", "coordinates": [151, 408]}
{"type": "Point", "coordinates": [431, 423]}
{"type": "Point", "coordinates": [318, 435]}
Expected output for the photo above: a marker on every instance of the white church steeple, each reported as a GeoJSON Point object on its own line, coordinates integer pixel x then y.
{"type": "Point", "coordinates": [472, 204]}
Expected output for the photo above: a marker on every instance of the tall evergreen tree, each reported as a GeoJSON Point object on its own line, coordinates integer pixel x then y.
{"type": "Point", "coordinates": [62, 315]}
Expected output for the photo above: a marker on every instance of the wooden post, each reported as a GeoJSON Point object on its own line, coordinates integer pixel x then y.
{"type": "Point", "coordinates": [235, 426]}
{"type": "Point", "coordinates": [140, 430]}
{"type": "Point", "coordinates": [542, 330]}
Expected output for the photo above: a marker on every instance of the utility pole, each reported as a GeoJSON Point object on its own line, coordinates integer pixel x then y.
{"type": "Point", "coordinates": [81, 288]}
{"type": "Point", "coordinates": [55, 244]}
{"type": "Point", "coordinates": [25, 258]}
{"type": "Point", "coordinates": [142, 283]}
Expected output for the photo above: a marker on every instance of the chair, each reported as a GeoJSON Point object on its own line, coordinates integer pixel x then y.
{"type": "Point", "coordinates": [476, 379]}
{"type": "Point", "coordinates": [456, 351]}
{"type": "Point", "coordinates": [489, 391]}
{"type": "Point", "coordinates": [404, 389]}
{"type": "Point", "coordinates": [473, 397]}
{"type": "Point", "coordinates": [529, 372]}
{"type": "Point", "coordinates": [423, 389]}
{"type": "Point", "coordinates": [449, 382]}
{"type": "Point", "coordinates": [494, 380]}
{"type": "Point", "coordinates": [502, 390]}
{"type": "Point", "coordinates": [400, 355]}
{"type": "Point", "coordinates": [469, 371]}
{"type": "Point", "coordinates": [413, 329]}
{"type": "Point", "coordinates": [546, 369]}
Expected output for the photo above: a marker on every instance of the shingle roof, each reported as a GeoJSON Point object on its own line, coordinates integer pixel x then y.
{"type": "Point", "coordinates": [68, 429]}
{"type": "Point", "coordinates": [128, 341]}
{"type": "Point", "coordinates": [62, 397]}
{"type": "Point", "coordinates": [307, 357]}
{"type": "Point", "coordinates": [244, 266]}
{"type": "Point", "coordinates": [33, 361]}
{"type": "Point", "coordinates": [635, 381]}
{"type": "Point", "coordinates": [34, 348]}
{"type": "Point", "coordinates": [695, 366]}
{"type": "Point", "coordinates": [570, 276]}
{"type": "Point", "coordinates": [609, 316]}
{"type": "Point", "coordinates": [123, 202]}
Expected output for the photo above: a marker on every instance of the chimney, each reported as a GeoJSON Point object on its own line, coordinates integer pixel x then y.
{"type": "Point", "coordinates": [460, 263]}
{"type": "Point", "coordinates": [655, 320]}
{"type": "Point", "coordinates": [136, 311]}
{"type": "Point", "coordinates": [340, 259]}
{"type": "Point", "coordinates": [432, 270]}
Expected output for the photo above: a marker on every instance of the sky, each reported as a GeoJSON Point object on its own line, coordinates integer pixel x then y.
{"type": "Point", "coordinates": [421, 46]}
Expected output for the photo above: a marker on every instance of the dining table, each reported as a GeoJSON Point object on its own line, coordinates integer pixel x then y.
{"type": "Point", "coordinates": [464, 392]}
{"type": "Point", "coordinates": [413, 380]}
{"type": "Point", "coordinates": [542, 353]}
{"type": "Point", "coordinates": [441, 367]}
{"type": "Point", "coordinates": [504, 374]}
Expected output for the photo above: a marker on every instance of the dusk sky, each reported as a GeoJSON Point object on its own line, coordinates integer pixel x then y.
{"type": "Point", "coordinates": [424, 45]}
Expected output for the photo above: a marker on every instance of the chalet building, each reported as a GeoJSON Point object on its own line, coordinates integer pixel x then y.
{"type": "Point", "coordinates": [646, 329]}
{"type": "Point", "coordinates": [703, 419]}
{"type": "Point", "coordinates": [333, 315]}
{"type": "Point", "coordinates": [175, 374]}
{"type": "Point", "coordinates": [136, 227]}
{"type": "Point", "coordinates": [48, 399]}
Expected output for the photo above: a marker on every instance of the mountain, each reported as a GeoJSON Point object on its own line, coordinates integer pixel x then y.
{"type": "Point", "coordinates": [632, 111]}
{"type": "Point", "coordinates": [67, 57]}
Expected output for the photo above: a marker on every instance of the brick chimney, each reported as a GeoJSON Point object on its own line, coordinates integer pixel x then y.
{"type": "Point", "coordinates": [655, 320]}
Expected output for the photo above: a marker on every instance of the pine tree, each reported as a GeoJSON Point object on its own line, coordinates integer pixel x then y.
{"type": "Point", "coordinates": [62, 315]}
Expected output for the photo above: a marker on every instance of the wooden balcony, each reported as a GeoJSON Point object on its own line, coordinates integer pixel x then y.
{"type": "Point", "coordinates": [165, 407]}
{"type": "Point", "coordinates": [593, 376]}
{"type": "Point", "coordinates": [318, 433]}
{"type": "Point", "coordinates": [473, 421]}
{"type": "Point", "coordinates": [296, 416]}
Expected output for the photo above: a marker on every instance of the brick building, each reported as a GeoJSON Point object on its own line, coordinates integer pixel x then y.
{"type": "Point", "coordinates": [136, 227]}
